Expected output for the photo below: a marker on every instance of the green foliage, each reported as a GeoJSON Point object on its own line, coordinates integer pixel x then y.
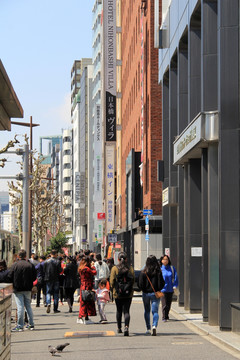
{"type": "Point", "coordinates": [58, 242]}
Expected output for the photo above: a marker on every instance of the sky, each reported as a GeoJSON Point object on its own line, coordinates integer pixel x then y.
{"type": "Point", "coordinates": [39, 42]}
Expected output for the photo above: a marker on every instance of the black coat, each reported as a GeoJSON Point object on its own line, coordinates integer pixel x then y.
{"type": "Point", "coordinates": [71, 278]}
{"type": "Point", "coordinates": [156, 280]}
{"type": "Point", "coordinates": [22, 274]}
{"type": "Point", "coordinates": [52, 269]}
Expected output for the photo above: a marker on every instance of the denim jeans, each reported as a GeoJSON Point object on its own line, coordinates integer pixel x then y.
{"type": "Point", "coordinates": [23, 299]}
{"type": "Point", "coordinates": [150, 301]}
{"type": "Point", "coordinates": [52, 288]}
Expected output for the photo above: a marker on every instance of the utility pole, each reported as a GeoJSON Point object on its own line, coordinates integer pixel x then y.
{"type": "Point", "coordinates": [25, 217]}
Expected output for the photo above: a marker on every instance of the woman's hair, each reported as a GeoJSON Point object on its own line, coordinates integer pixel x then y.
{"type": "Point", "coordinates": [169, 261]}
{"type": "Point", "coordinates": [3, 265]}
{"type": "Point", "coordinates": [85, 261]}
{"type": "Point", "coordinates": [99, 258]}
{"type": "Point", "coordinates": [152, 266]}
{"type": "Point", "coordinates": [123, 265]}
{"type": "Point", "coordinates": [103, 282]}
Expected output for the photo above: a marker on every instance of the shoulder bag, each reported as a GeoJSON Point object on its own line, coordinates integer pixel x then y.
{"type": "Point", "coordinates": [158, 294]}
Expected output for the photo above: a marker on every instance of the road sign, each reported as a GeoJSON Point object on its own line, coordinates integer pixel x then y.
{"type": "Point", "coordinates": [147, 220]}
{"type": "Point", "coordinates": [147, 211]}
{"type": "Point", "coordinates": [147, 227]}
{"type": "Point", "coordinates": [147, 236]}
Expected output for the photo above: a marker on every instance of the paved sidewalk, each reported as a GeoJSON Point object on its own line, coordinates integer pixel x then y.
{"type": "Point", "coordinates": [228, 338]}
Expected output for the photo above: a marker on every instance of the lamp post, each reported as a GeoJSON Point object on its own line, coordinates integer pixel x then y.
{"type": "Point", "coordinates": [30, 125]}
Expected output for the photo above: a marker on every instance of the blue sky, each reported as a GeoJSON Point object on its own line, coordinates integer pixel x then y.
{"type": "Point", "coordinates": [39, 42]}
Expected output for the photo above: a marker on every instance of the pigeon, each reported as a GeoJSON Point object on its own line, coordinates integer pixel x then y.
{"type": "Point", "coordinates": [60, 348]}
{"type": "Point", "coordinates": [52, 350]}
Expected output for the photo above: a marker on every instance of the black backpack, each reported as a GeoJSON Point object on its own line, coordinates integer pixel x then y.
{"type": "Point", "coordinates": [124, 284]}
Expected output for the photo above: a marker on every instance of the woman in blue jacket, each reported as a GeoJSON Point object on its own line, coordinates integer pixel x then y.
{"type": "Point", "coordinates": [171, 281]}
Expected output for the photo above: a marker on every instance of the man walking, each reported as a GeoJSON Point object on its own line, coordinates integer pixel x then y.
{"type": "Point", "coordinates": [22, 274]}
{"type": "Point", "coordinates": [52, 269]}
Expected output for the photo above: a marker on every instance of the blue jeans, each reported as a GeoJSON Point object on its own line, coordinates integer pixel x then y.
{"type": "Point", "coordinates": [23, 299]}
{"type": "Point", "coordinates": [52, 288]}
{"type": "Point", "coordinates": [150, 300]}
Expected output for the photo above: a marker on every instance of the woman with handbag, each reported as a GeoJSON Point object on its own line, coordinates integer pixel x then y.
{"type": "Point", "coordinates": [151, 282]}
{"type": "Point", "coordinates": [171, 283]}
{"type": "Point", "coordinates": [87, 295]}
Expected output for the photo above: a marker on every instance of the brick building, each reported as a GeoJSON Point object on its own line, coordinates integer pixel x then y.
{"type": "Point", "coordinates": [141, 130]}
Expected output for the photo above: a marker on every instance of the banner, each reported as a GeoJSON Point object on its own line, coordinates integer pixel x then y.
{"type": "Point", "coordinates": [110, 187]}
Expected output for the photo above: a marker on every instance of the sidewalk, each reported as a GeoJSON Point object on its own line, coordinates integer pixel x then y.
{"type": "Point", "coordinates": [227, 338]}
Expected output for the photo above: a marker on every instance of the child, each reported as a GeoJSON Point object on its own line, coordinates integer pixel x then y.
{"type": "Point", "coordinates": [102, 298]}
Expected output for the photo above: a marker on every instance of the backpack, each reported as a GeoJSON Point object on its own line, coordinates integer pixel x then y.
{"type": "Point", "coordinates": [124, 284]}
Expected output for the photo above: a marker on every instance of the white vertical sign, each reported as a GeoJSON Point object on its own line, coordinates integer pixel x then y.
{"type": "Point", "coordinates": [110, 187]}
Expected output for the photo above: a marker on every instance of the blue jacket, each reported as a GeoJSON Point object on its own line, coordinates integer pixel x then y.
{"type": "Point", "coordinates": [168, 278]}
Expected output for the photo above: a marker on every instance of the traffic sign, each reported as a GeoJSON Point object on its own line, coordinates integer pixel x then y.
{"type": "Point", "coordinates": [147, 211]}
{"type": "Point", "coordinates": [147, 227]}
{"type": "Point", "coordinates": [147, 236]}
{"type": "Point", "coordinates": [147, 220]}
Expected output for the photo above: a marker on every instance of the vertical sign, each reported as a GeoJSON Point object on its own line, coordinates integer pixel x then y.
{"type": "Point", "coordinates": [77, 187]}
{"type": "Point", "coordinates": [109, 18]}
{"type": "Point", "coordinates": [110, 187]}
{"type": "Point", "coordinates": [98, 225]}
{"type": "Point", "coordinates": [142, 97]}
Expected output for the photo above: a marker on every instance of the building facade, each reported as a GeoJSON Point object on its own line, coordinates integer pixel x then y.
{"type": "Point", "coordinates": [141, 135]}
{"type": "Point", "coordinates": [199, 72]}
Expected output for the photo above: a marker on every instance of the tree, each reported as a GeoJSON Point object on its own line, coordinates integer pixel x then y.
{"type": "Point", "coordinates": [9, 145]}
{"type": "Point", "coordinates": [58, 242]}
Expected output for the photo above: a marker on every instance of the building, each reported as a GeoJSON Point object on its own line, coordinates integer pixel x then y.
{"type": "Point", "coordinates": [67, 176]}
{"type": "Point", "coordinates": [199, 72]}
{"type": "Point", "coordinates": [141, 133]}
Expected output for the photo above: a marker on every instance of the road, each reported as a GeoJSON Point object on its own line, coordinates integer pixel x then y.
{"type": "Point", "coordinates": [175, 339]}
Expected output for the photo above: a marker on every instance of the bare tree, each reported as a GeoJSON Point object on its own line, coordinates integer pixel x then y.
{"type": "Point", "coordinates": [9, 145]}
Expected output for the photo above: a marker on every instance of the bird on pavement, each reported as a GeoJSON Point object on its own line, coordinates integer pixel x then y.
{"type": "Point", "coordinates": [52, 350]}
{"type": "Point", "coordinates": [61, 347]}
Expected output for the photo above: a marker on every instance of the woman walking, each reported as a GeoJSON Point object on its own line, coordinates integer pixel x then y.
{"type": "Point", "coordinates": [87, 273]}
{"type": "Point", "coordinates": [121, 282]}
{"type": "Point", "coordinates": [171, 281]}
{"type": "Point", "coordinates": [70, 282]}
{"type": "Point", "coordinates": [151, 281]}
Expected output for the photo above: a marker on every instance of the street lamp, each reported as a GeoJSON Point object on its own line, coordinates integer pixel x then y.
{"type": "Point", "coordinates": [30, 125]}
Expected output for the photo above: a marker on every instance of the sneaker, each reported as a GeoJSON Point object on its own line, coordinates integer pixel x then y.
{"type": "Point", "coordinates": [17, 329]}
{"type": "Point", "coordinates": [80, 321]}
{"type": "Point", "coordinates": [119, 331]}
{"type": "Point", "coordinates": [56, 311]}
{"type": "Point", "coordinates": [148, 332]}
{"type": "Point", "coordinates": [154, 331]}
{"type": "Point", "coordinates": [30, 327]}
{"type": "Point", "coordinates": [126, 331]}
{"type": "Point", "coordinates": [48, 309]}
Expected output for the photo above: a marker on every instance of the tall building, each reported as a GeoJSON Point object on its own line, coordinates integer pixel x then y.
{"type": "Point", "coordinates": [81, 118]}
{"type": "Point", "coordinates": [199, 73]}
{"type": "Point", "coordinates": [67, 176]}
{"type": "Point", "coordinates": [141, 133]}
{"type": "Point", "coordinates": [97, 113]}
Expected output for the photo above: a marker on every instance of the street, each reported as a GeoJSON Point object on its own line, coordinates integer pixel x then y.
{"type": "Point", "coordinates": [175, 339]}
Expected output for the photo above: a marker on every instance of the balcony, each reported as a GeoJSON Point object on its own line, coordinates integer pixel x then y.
{"type": "Point", "coordinates": [67, 186]}
{"type": "Point", "coordinates": [67, 173]}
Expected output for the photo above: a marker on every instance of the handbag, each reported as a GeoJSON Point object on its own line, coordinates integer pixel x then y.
{"type": "Point", "coordinates": [88, 295]}
{"type": "Point", "coordinates": [176, 291]}
{"type": "Point", "coordinates": [158, 294]}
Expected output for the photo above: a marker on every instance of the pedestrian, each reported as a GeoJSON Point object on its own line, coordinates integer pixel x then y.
{"type": "Point", "coordinates": [102, 299]}
{"type": "Point", "coordinates": [34, 259]}
{"type": "Point", "coordinates": [52, 269]}
{"type": "Point", "coordinates": [102, 270]}
{"type": "Point", "coordinates": [62, 260]}
{"type": "Point", "coordinates": [41, 285]}
{"type": "Point", "coordinates": [87, 273]}
{"type": "Point", "coordinates": [3, 272]}
{"type": "Point", "coordinates": [71, 281]}
{"type": "Point", "coordinates": [121, 283]}
{"type": "Point", "coordinates": [171, 282]}
{"type": "Point", "coordinates": [22, 274]}
{"type": "Point", "coordinates": [151, 281]}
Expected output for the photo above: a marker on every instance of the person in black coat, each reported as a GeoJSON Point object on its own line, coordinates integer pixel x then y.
{"type": "Point", "coordinates": [151, 281]}
{"type": "Point", "coordinates": [71, 280]}
{"type": "Point", "coordinates": [3, 272]}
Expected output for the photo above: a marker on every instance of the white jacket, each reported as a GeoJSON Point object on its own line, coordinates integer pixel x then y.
{"type": "Point", "coordinates": [102, 271]}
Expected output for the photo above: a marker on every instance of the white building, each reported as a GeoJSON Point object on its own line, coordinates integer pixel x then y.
{"type": "Point", "coordinates": [67, 177]}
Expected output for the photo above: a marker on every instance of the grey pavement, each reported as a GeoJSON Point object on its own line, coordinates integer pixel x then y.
{"type": "Point", "coordinates": [179, 338]}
